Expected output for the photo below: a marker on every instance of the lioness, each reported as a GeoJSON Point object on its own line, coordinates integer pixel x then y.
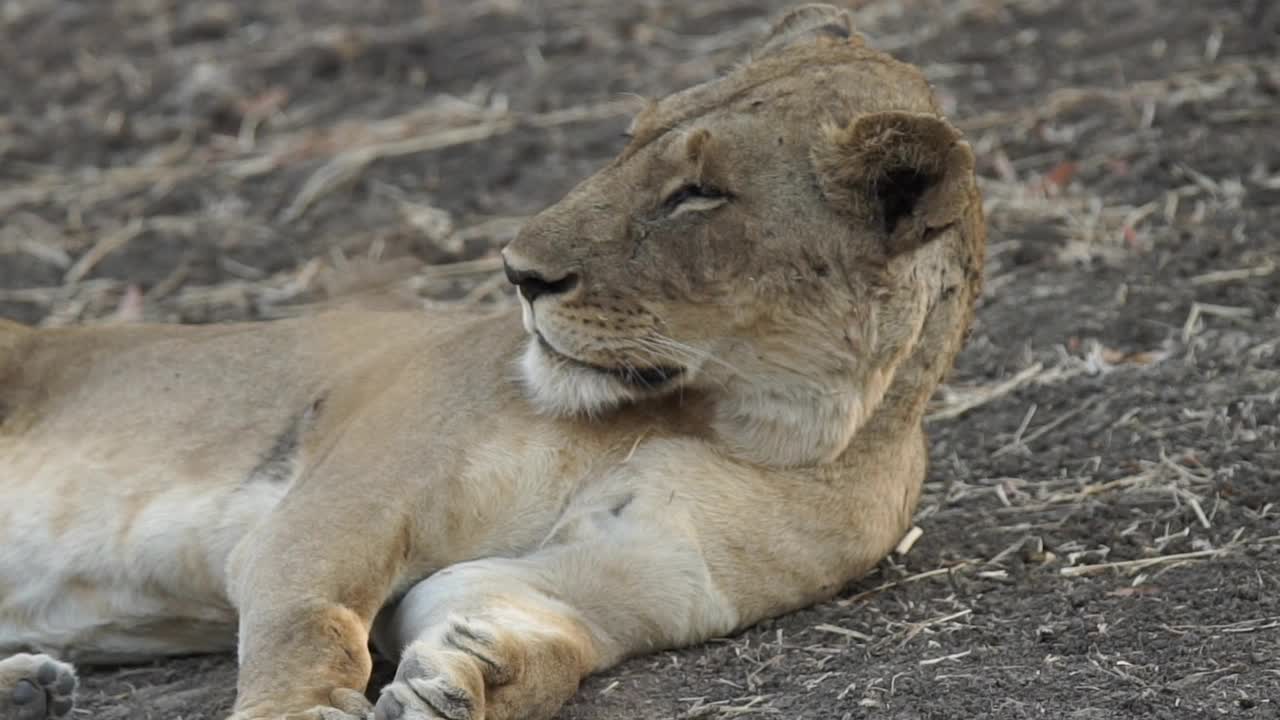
{"type": "Point", "coordinates": [711, 416]}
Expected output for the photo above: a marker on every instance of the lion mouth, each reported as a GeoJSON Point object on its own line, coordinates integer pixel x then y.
{"type": "Point", "coordinates": [644, 377]}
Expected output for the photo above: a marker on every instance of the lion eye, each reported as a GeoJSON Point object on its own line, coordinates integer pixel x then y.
{"type": "Point", "coordinates": [694, 196]}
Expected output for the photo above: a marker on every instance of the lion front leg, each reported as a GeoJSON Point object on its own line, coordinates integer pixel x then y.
{"type": "Point", "coordinates": [304, 663]}
{"type": "Point", "coordinates": [495, 655]}
{"type": "Point", "coordinates": [510, 639]}
{"type": "Point", "coordinates": [677, 547]}
{"type": "Point", "coordinates": [307, 584]}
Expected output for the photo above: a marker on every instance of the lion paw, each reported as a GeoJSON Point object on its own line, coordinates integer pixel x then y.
{"type": "Point", "coordinates": [445, 679]}
{"type": "Point", "coordinates": [507, 662]}
{"type": "Point", "coordinates": [346, 705]}
{"type": "Point", "coordinates": [425, 690]}
{"type": "Point", "coordinates": [36, 687]}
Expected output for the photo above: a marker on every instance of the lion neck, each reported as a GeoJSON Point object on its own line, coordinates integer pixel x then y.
{"type": "Point", "coordinates": [798, 399]}
{"type": "Point", "coordinates": [878, 385]}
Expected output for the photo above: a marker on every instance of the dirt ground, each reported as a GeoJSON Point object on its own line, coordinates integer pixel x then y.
{"type": "Point", "coordinates": [1101, 525]}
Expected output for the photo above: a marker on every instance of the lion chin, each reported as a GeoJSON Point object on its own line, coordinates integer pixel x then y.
{"type": "Point", "coordinates": [560, 385]}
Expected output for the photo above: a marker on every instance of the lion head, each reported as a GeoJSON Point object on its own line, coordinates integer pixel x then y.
{"type": "Point", "coordinates": [777, 243]}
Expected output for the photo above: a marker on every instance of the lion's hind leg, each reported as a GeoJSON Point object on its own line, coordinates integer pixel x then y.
{"type": "Point", "coordinates": [36, 687]}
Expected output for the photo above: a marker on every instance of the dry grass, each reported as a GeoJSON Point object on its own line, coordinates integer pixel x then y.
{"type": "Point", "coordinates": [345, 150]}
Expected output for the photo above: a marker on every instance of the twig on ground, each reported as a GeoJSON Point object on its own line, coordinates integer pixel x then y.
{"type": "Point", "coordinates": [1194, 502]}
{"type": "Point", "coordinates": [837, 630]}
{"type": "Point", "coordinates": [945, 658]}
{"type": "Point", "coordinates": [1191, 326]}
{"type": "Point", "coordinates": [1047, 427]}
{"type": "Point", "coordinates": [1267, 267]}
{"type": "Point", "coordinates": [917, 628]}
{"type": "Point", "coordinates": [479, 266]}
{"type": "Point", "coordinates": [106, 245]}
{"type": "Point", "coordinates": [1132, 565]}
{"type": "Point", "coordinates": [1128, 565]}
{"type": "Point", "coordinates": [903, 581]}
{"type": "Point", "coordinates": [905, 544]}
{"type": "Point", "coordinates": [984, 395]}
{"type": "Point", "coordinates": [1016, 443]}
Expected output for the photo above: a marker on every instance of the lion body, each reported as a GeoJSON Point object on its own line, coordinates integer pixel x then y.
{"type": "Point", "coordinates": [134, 460]}
{"type": "Point", "coordinates": [712, 415]}
{"type": "Point", "coordinates": [127, 491]}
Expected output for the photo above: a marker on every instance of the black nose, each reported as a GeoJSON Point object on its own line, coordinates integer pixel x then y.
{"type": "Point", "coordinates": [533, 283]}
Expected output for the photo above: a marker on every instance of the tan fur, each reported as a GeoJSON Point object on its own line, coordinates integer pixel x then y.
{"type": "Point", "coordinates": [720, 422]}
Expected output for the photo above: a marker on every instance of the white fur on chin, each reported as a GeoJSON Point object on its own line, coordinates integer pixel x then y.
{"type": "Point", "coordinates": [559, 388]}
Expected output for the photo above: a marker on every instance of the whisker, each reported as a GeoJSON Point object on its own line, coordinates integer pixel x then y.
{"type": "Point", "coordinates": [662, 353]}
{"type": "Point", "coordinates": [667, 349]}
{"type": "Point", "coordinates": [692, 352]}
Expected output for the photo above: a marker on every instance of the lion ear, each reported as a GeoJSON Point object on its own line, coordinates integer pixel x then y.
{"type": "Point", "coordinates": [906, 175]}
{"type": "Point", "coordinates": [804, 24]}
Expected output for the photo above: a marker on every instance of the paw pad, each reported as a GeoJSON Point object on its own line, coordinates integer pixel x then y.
{"type": "Point", "coordinates": [36, 687]}
{"type": "Point", "coordinates": [422, 691]}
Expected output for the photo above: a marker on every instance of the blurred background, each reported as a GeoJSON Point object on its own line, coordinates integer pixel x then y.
{"type": "Point", "coordinates": [1100, 522]}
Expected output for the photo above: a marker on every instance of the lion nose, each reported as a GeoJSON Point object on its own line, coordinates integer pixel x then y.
{"type": "Point", "coordinates": [534, 283]}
